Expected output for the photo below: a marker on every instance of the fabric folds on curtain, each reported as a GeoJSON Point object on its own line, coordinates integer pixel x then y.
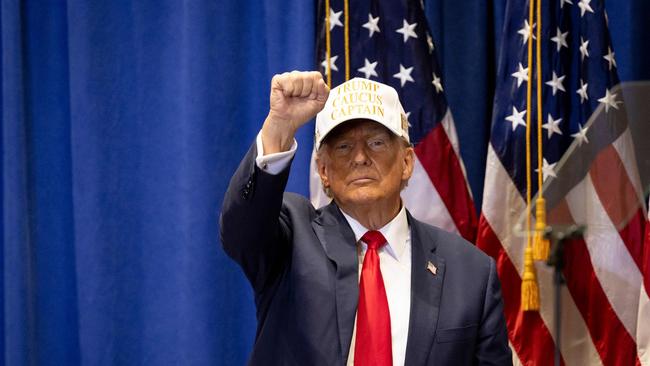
{"type": "Point", "coordinates": [122, 122]}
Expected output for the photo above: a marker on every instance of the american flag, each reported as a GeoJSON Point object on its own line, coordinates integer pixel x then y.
{"type": "Point", "coordinates": [389, 41]}
{"type": "Point", "coordinates": [590, 171]}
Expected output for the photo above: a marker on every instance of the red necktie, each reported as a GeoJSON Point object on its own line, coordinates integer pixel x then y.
{"type": "Point", "coordinates": [373, 340]}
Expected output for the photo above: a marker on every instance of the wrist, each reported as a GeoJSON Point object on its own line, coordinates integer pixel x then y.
{"type": "Point", "coordinates": [277, 134]}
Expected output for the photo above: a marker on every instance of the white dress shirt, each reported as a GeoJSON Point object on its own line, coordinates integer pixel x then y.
{"type": "Point", "coordinates": [395, 263]}
{"type": "Point", "coordinates": [276, 162]}
{"type": "Point", "coordinates": [394, 259]}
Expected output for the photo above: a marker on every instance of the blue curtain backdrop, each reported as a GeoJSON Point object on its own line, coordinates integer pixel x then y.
{"type": "Point", "coordinates": [121, 124]}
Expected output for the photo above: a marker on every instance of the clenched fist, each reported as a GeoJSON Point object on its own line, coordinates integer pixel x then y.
{"type": "Point", "coordinates": [296, 97]}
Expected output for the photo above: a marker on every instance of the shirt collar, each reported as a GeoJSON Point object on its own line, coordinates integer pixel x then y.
{"type": "Point", "coordinates": [396, 232]}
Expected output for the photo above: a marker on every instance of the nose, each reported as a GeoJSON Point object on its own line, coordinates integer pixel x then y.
{"type": "Point", "coordinates": [360, 155]}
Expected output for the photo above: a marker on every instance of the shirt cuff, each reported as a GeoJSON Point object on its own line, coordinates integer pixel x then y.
{"type": "Point", "coordinates": [276, 162]}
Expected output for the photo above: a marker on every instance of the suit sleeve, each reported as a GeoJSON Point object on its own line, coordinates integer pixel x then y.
{"type": "Point", "coordinates": [253, 230]}
{"type": "Point", "coordinates": [493, 347]}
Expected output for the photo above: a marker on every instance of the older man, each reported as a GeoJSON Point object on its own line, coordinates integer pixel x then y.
{"type": "Point", "coordinates": [359, 281]}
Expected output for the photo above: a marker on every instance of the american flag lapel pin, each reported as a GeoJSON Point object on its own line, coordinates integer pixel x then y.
{"type": "Point", "coordinates": [432, 268]}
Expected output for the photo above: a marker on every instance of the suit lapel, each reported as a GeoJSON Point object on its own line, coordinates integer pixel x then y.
{"type": "Point", "coordinates": [339, 243]}
{"type": "Point", "coordinates": [426, 290]}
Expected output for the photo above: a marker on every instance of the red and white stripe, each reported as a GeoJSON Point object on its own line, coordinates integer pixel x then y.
{"type": "Point", "coordinates": [438, 192]}
{"type": "Point", "coordinates": [605, 313]}
{"type": "Point", "coordinates": [643, 328]}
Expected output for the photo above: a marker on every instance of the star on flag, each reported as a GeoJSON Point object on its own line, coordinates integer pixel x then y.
{"type": "Point", "coordinates": [407, 30]}
{"type": "Point", "coordinates": [372, 25]}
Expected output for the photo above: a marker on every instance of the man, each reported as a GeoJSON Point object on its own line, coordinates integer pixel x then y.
{"type": "Point", "coordinates": [359, 281]}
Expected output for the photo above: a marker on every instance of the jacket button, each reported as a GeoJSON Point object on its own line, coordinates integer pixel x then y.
{"type": "Point", "coordinates": [244, 193]}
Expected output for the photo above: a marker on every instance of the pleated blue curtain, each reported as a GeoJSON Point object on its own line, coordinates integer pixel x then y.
{"type": "Point", "coordinates": [122, 122]}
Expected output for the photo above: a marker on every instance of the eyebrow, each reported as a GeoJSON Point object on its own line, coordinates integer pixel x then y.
{"type": "Point", "coordinates": [370, 131]}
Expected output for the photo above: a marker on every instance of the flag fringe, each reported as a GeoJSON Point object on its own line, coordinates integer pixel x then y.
{"type": "Point", "coordinates": [541, 245]}
{"type": "Point", "coordinates": [529, 287]}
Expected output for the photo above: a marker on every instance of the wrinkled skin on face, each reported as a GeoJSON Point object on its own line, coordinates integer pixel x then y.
{"type": "Point", "coordinates": [365, 166]}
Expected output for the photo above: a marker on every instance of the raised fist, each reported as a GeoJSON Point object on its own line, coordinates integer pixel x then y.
{"type": "Point", "coordinates": [296, 97]}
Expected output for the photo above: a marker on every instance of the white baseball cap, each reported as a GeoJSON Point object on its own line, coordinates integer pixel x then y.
{"type": "Point", "coordinates": [360, 98]}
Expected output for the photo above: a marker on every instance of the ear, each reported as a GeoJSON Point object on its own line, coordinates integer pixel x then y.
{"type": "Point", "coordinates": [322, 171]}
{"type": "Point", "coordinates": [409, 156]}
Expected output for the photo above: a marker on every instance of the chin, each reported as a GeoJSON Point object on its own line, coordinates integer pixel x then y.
{"type": "Point", "coordinates": [363, 196]}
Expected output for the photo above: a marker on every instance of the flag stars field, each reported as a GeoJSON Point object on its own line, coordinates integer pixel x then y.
{"type": "Point", "coordinates": [332, 64]}
{"type": "Point", "coordinates": [556, 83]}
{"type": "Point", "coordinates": [521, 74]}
{"type": "Point", "coordinates": [609, 100]}
{"type": "Point", "coordinates": [404, 75]}
{"type": "Point", "coordinates": [368, 68]}
{"type": "Point", "coordinates": [582, 91]}
{"type": "Point", "coordinates": [548, 170]}
{"type": "Point", "coordinates": [560, 39]}
{"type": "Point", "coordinates": [372, 25]}
{"type": "Point", "coordinates": [585, 7]}
{"type": "Point", "coordinates": [335, 19]}
{"type": "Point", "coordinates": [517, 118]}
{"type": "Point", "coordinates": [610, 58]}
{"type": "Point", "coordinates": [581, 135]}
{"type": "Point", "coordinates": [552, 126]}
{"type": "Point", "coordinates": [407, 30]}
{"type": "Point", "coordinates": [526, 32]}
{"type": "Point", "coordinates": [584, 51]}
{"type": "Point", "coordinates": [436, 83]}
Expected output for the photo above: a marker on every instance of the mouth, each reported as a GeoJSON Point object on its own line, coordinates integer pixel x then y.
{"type": "Point", "coordinates": [362, 180]}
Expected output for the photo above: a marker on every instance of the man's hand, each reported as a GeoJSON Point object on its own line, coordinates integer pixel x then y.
{"type": "Point", "coordinates": [296, 97]}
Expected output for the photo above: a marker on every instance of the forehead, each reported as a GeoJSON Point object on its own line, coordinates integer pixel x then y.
{"type": "Point", "coordinates": [353, 127]}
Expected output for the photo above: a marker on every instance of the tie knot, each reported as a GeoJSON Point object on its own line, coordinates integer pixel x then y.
{"type": "Point", "coordinates": [374, 239]}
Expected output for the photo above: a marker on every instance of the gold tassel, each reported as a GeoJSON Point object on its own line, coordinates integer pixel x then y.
{"type": "Point", "coordinates": [541, 245]}
{"type": "Point", "coordinates": [529, 287]}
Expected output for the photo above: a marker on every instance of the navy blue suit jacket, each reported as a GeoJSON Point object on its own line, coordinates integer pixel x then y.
{"type": "Point", "coordinates": [303, 266]}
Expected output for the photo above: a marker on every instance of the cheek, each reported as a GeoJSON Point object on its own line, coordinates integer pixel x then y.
{"type": "Point", "coordinates": [334, 175]}
{"type": "Point", "coordinates": [395, 173]}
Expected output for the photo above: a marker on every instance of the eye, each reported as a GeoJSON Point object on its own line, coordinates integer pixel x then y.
{"type": "Point", "coordinates": [377, 143]}
{"type": "Point", "coordinates": [343, 146]}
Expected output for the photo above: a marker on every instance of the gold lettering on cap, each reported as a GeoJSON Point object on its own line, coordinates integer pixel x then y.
{"type": "Point", "coordinates": [350, 109]}
{"type": "Point", "coordinates": [357, 97]}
